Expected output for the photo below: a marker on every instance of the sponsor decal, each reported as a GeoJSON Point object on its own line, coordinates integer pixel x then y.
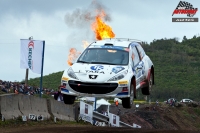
{"type": "Point", "coordinates": [65, 79]}
{"type": "Point", "coordinates": [123, 85]}
{"type": "Point", "coordinates": [123, 82]}
{"type": "Point", "coordinates": [97, 67]}
{"type": "Point", "coordinates": [117, 69]}
{"type": "Point", "coordinates": [92, 71]}
{"type": "Point", "coordinates": [114, 119]}
{"type": "Point", "coordinates": [139, 74]}
{"type": "Point", "coordinates": [64, 90]}
{"type": "Point", "coordinates": [116, 48]}
{"type": "Point", "coordinates": [122, 93]}
{"type": "Point", "coordinates": [86, 109]}
{"type": "Point", "coordinates": [30, 51]}
{"type": "Point", "coordinates": [185, 8]}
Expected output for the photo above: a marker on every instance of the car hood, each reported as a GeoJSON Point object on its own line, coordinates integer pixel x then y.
{"type": "Point", "coordinates": [96, 73]}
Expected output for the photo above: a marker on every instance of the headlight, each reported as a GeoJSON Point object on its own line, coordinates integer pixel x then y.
{"type": "Point", "coordinates": [119, 76]}
{"type": "Point", "coordinates": [71, 74]}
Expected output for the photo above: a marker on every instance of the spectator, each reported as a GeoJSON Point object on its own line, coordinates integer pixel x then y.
{"type": "Point", "coordinates": [16, 87]}
{"type": "Point", "coordinates": [58, 95]}
{"type": "Point", "coordinates": [156, 102]}
{"type": "Point", "coordinates": [119, 111]}
{"type": "Point", "coordinates": [116, 103]}
{"type": "Point", "coordinates": [16, 91]}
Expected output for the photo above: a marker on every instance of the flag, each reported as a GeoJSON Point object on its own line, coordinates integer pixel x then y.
{"type": "Point", "coordinates": [31, 55]}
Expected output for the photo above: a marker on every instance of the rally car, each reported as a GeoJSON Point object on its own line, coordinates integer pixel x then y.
{"type": "Point", "coordinates": [112, 68]}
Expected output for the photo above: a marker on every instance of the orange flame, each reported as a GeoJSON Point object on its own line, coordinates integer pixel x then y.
{"type": "Point", "coordinates": [73, 54]}
{"type": "Point", "coordinates": [101, 29]}
{"type": "Point", "coordinates": [85, 44]}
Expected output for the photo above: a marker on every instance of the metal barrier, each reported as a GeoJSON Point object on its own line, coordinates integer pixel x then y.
{"type": "Point", "coordinates": [102, 118]}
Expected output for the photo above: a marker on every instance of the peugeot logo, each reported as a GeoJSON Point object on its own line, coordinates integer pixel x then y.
{"type": "Point", "coordinates": [93, 76]}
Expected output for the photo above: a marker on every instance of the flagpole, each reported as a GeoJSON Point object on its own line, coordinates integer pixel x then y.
{"type": "Point", "coordinates": [42, 69]}
{"type": "Point", "coordinates": [95, 104]}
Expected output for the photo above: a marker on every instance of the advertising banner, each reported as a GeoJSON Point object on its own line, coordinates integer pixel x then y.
{"type": "Point", "coordinates": [114, 120]}
{"type": "Point", "coordinates": [31, 55]}
{"type": "Point", "coordinates": [86, 112]}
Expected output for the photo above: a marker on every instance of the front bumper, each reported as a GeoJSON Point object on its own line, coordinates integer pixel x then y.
{"type": "Point", "coordinates": [88, 89]}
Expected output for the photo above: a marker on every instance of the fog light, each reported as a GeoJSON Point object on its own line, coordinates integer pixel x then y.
{"type": "Point", "coordinates": [124, 89]}
{"type": "Point", "coordinates": [64, 84]}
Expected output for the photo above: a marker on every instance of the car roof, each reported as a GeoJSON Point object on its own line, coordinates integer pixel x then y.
{"type": "Point", "coordinates": [122, 42]}
{"type": "Point", "coordinates": [186, 99]}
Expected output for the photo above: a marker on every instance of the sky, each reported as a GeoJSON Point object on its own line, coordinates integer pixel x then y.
{"type": "Point", "coordinates": [62, 25]}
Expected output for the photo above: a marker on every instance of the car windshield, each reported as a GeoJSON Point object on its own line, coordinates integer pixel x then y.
{"type": "Point", "coordinates": [104, 56]}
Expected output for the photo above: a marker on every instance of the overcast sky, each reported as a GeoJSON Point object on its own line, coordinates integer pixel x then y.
{"type": "Point", "coordinates": [61, 25]}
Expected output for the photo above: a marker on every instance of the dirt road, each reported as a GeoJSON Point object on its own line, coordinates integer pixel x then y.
{"type": "Point", "coordinates": [83, 129]}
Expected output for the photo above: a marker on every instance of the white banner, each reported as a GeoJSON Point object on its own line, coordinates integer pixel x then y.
{"type": "Point", "coordinates": [90, 99]}
{"type": "Point", "coordinates": [86, 112]}
{"type": "Point", "coordinates": [114, 120]}
{"type": "Point", "coordinates": [31, 55]}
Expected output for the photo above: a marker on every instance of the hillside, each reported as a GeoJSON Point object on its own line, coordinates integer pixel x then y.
{"type": "Point", "coordinates": [176, 68]}
{"type": "Point", "coordinates": [163, 116]}
{"type": "Point", "coordinates": [177, 72]}
{"type": "Point", "coordinates": [51, 81]}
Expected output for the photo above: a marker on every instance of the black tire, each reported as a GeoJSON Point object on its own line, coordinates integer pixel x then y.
{"type": "Point", "coordinates": [68, 99]}
{"type": "Point", "coordinates": [128, 102]}
{"type": "Point", "coordinates": [147, 90]}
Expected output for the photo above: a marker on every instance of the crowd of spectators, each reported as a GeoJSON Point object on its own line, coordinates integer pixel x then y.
{"type": "Point", "coordinates": [16, 87]}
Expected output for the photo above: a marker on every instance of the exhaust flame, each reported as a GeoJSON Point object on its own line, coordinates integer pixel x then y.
{"type": "Point", "coordinates": [73, 54]}
{"type": "Point", "coordinates": [101, 29]}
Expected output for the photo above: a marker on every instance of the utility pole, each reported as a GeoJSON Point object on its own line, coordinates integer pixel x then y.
{"type": "Point", "coordinates": [27, 70]}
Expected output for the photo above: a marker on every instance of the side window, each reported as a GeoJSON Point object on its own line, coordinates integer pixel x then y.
{"type": "Point", "coordinates": [141, 51]}
{"type": "Point", "coordinates": [135, 56]}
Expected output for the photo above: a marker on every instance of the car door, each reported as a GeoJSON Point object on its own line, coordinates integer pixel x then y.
{"type": "Point", "coordinates": [137, 65]}
{"type": "Point", "coordinates": [143, 63]}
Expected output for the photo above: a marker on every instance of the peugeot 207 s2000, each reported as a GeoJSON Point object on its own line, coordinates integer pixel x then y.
{"type": "Point", "coordinates": [109, 68]}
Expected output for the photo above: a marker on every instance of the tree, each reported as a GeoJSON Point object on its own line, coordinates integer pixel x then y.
{"type": "Point", "coordinates": [184, 38]}
{"type": "Point", "coordinates": [194, 37]}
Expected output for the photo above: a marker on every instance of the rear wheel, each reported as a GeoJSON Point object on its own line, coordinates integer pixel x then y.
{"type": "Point", "coordinates": [128, 102]}
{"type": "Point", "coordinates": [68, 99]}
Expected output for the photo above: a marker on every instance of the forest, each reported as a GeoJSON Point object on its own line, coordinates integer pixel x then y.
{"type": "Point", "coordinates": [176, 66]}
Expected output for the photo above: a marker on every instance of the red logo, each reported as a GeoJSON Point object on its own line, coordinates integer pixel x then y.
{"type": "Point", "coordinates": [31, 43]}
{"type": "Point", "coordinates": [30, 51]}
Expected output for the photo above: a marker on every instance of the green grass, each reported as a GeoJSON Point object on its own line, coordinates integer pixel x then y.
{"type": "Point", "coordinates": [197, 111]}
{"type": "Point", "coordinates": [185, 113]}
{"type": "Point", "coordinates": [18, 122]}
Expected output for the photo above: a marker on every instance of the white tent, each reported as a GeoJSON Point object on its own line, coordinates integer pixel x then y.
{"type": "Point", "coordinates": [87, 99]}
{"type": "Point", "coordinates": [102, 104]}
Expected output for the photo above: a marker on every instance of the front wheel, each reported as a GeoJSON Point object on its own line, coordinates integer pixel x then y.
{"type": "Point", "coordinates": [128, 102]}
{"type": "Point", "coordinates": [68, 99]}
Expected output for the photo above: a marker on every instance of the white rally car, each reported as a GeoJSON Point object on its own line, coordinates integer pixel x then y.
{"type": "Point", "coordinates": [113, 68]}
